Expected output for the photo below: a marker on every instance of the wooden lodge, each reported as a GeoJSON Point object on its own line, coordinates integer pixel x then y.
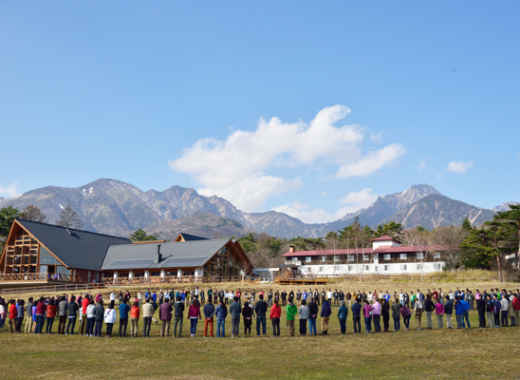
{"type": "Point", "coordinates": [41, 252]}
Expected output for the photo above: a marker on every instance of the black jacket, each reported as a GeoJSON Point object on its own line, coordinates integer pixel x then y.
{"type": "Point", "coordinates": [261, 308]}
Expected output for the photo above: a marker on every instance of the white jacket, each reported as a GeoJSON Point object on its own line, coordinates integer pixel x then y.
{"type": "Point", "coordinates": [90, 310]}
{"type": "Point", "coordinates": [110, 316]}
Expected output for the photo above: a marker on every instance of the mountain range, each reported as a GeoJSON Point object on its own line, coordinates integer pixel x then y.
{"type": "Point", "coordinates": [115, 207]}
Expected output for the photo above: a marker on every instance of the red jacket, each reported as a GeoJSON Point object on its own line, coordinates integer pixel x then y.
{"type": "Point", "coordinates": [276, 311]}
{"type": "Point", "coordinates": [51, 311]}
{"type": "Point", "coordinates": [84, 304]}
{"type": "Point", "coordinates": [516, 303]}
{"type": "Point", "coordinates": [40, 308]}
{"type": "Point", "coordinates": [12, 311]}
{"type": "Point", "coordinates": [194, 312]}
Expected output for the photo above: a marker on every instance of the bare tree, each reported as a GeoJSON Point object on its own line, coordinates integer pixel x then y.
{"type": "Point", "coordinates": [33, 213]}
{"type": "Point", "coordinates": [69, 218]}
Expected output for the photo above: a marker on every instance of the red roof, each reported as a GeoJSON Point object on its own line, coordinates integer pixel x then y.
{"type": "Point", "coordinates": [359, 251]}
{"type": "Point", "coordinates": [384, 238]}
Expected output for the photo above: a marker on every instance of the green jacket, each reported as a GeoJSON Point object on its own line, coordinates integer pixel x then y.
{"type": "Point", "coordinates": [292, 310]}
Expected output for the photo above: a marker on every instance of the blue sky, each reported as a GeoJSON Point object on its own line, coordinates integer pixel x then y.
{"type": "Point", "coordinates": [357, 99]}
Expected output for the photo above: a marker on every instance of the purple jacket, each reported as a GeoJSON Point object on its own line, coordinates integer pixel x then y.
{"type": "Point", "coordinates": [165, 312]}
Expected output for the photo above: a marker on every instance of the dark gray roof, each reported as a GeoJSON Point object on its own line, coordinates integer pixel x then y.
{"type": "Point", "coordinates": [76, 248]}
{"type": "Point", "coordinates": [190, 237]}
{"type": "Point", "coordinates": [174, 255]}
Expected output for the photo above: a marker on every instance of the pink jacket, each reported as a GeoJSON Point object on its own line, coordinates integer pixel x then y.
{"type": "Point", "coordinates": [367, 310]}
{"type": "Point", "coordinates": [439, 308]}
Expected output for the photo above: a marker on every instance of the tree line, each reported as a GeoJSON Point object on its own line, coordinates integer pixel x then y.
{"type": "Point", "coordinates": [493, 245]}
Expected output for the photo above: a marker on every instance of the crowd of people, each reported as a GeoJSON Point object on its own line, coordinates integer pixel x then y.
{"type": "Point", "coordinates": [87, 314]}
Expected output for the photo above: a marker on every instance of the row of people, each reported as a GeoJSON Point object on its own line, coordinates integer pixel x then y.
{"type": "Point", "coordinates": [495, 309]}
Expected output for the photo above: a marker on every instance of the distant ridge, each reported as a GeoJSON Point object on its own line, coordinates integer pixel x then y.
{"type": "Point", "coordinates": [117, 208]}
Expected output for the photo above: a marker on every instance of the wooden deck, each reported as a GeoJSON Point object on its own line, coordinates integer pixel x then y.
{"type": "Point", "coordinates": [303, 281]}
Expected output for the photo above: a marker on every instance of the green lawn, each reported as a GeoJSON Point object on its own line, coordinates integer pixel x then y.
{"type": "Point", "coordinates": [453, 354]}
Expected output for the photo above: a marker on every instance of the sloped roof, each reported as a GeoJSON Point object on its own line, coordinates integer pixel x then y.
{"type": "Point", "coordinates": [76, 248]}
{"type": "Point", "coordinates": [360, 251]}
{"type": "Point", "coordinates": [384, 238]}
{"type": "Point", "coordinates": [174, 255]}
{"type": "Point", "coordinates": [190, 237]}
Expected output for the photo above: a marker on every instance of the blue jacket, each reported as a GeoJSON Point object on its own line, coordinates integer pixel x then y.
{"type": "Point", "coordinates": [221, 312]}
{"type": "Point", "coordinates": [342, 312]}
{"type": "Point", "coordinates": [459, 308]}
{"type": "Point", "coordinates": [209, 310]}
{"type": "Point", "coordinates": [123, 311]}
{"type": "Point", "coordinates": [325, 309]}
{"type": "Point", "coordinates": [235, 310]}
{"type": "Point", "coordinates": [356, 309]}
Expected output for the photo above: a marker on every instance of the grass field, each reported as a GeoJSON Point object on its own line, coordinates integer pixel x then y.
{"type": "Point", "coordinates": [438, 353]}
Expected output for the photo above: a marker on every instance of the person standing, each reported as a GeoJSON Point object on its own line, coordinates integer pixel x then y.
{"type": "Point", "coordinates": [419, 308]}
{"type": "Point", "coordinates": [396, 313]}
{"type": "Point", "coordinates": [274, 315]}
{"type": "Point", "coordinates": [28, 323]}
{"type": "Point", "coordinates": [303, 315]}
{"type": "Point", "coordinates": [51, 314]}
{"type": "Point", "coordinates": [85, 301]}
{"type": "Point", "coordinates": [291, 311]}
{"type": "Point", "coordinates": [179, 315]}
{"type": "Point", "coordinates": [376, 315]}
{"type": "Point", "coordinates": [62, 315]}
{"type": "Point", "coordinates": [110, 318]}
{"type": "Point", "coordinates": [247, 314]}
{"type": "Point", "coordinates": [429, 307]}
{"type": "Point", "coordinates": [326, 311]}
{"type": "Point", "coordinates": [448, 311]}
{"type": "Point", "coordinates": [313, 316]}
{"type": "Point", "coordinates": [481, 309]}
{"type": "Point", "coordinates": [367, 314]}
{"type": "Point", "coordinates": [385, 312]}
{"type": "Point", "coordinates": [99, 314]}
{"type": "Point", "coordinates": [504, 309]}
{"type": "Point", "coordinates": [439, 312]}
{"type": "Point", "coordinates": [342, 317]}
{"type": "Point", "coordinates": [135, 313]}
{"type": "Point", "coordinates": [459, 313]}
{"type": "Point", "coordinates": [209, 312]}
{"type": "Point", "coordinates": [124, 309]}
{"type": "Point", "coordinates": [194, 316]}
{"type": "Point", "coordinates": [356, 315]}
{"type": "Point", "coordinates": [235, 310]}
{"type": "Point", "coordinates": [261, 311]}
{"type": "Point", "coordinates": [72, 315]}
{"type": "Point", "coordinates": [147, 317]}
{"type": "Point", "coordinates": [165, 315]}
{"type": "Point", "coordinates": [11, 314]}
{"type": "Point", "coordinates": [20, 310]}
{"type": "Point", "coordinates": [221, 314]}
{"type": "Point", "coordinates": [90, 318]}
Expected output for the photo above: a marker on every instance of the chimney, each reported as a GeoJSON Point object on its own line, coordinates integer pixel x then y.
{"type": "Point", "coordinates": [291, 248]}
{"type": "Point", "coordinates": [158, 258]}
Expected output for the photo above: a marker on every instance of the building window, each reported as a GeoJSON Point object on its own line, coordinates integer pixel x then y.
{"type": "Point", "coordinates": [403, 267]}
{"type": "Point", "coordinates": [420, 255]}
{"type": "Point", "coordinates": [388, 257]}
{"type": "Point", "coordinates": [437, 266]}
{"type": "Point", "coordinates": [419, 267]}
{"type": "Point", "coordinates": [350, 258]}
{"type": "Point", "coordinates": [365, 257]}
{"type": "Point", "coordinates": [437, 255]}
{"type": "Point", "coordinates": [367, 267]}
{"type": "Point", "coordinates": [349, 268]}
{"type": "Point", "coordinates": [385, 268]}
{"type": "Point", "coordinates": [323, 259]}
{"type": "Point", "coordinates": [403, 256]}
{"type": "Point", "coordinates": [321, 269]}
{"type": "Point", "coordinates": [308, 259]}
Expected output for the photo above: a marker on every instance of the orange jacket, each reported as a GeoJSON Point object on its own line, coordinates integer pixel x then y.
{"type": "Point", "coordinates": [134, 312]}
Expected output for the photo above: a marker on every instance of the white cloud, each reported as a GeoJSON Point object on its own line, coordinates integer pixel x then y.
{"type": "Point", "coordinates": [307, 214]}
{"type": "Point", "coordinates": [9, 191]}
{"type": "Point", "coordinates": [351, 202]}
{"type": "Point", "coordinates": [460, 167]}
{"type": "Point", "coordinates": [355, 201]}
{"type": "Point", "coordinates": [422, 165]}
{"type": "Point", "coordinates": [239, 168]}
{"type": "Point", "coordinates": [372, 162]}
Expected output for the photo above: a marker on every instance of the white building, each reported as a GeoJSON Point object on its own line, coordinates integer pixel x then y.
{"type": "Point", "coordinates": [386, 257]}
